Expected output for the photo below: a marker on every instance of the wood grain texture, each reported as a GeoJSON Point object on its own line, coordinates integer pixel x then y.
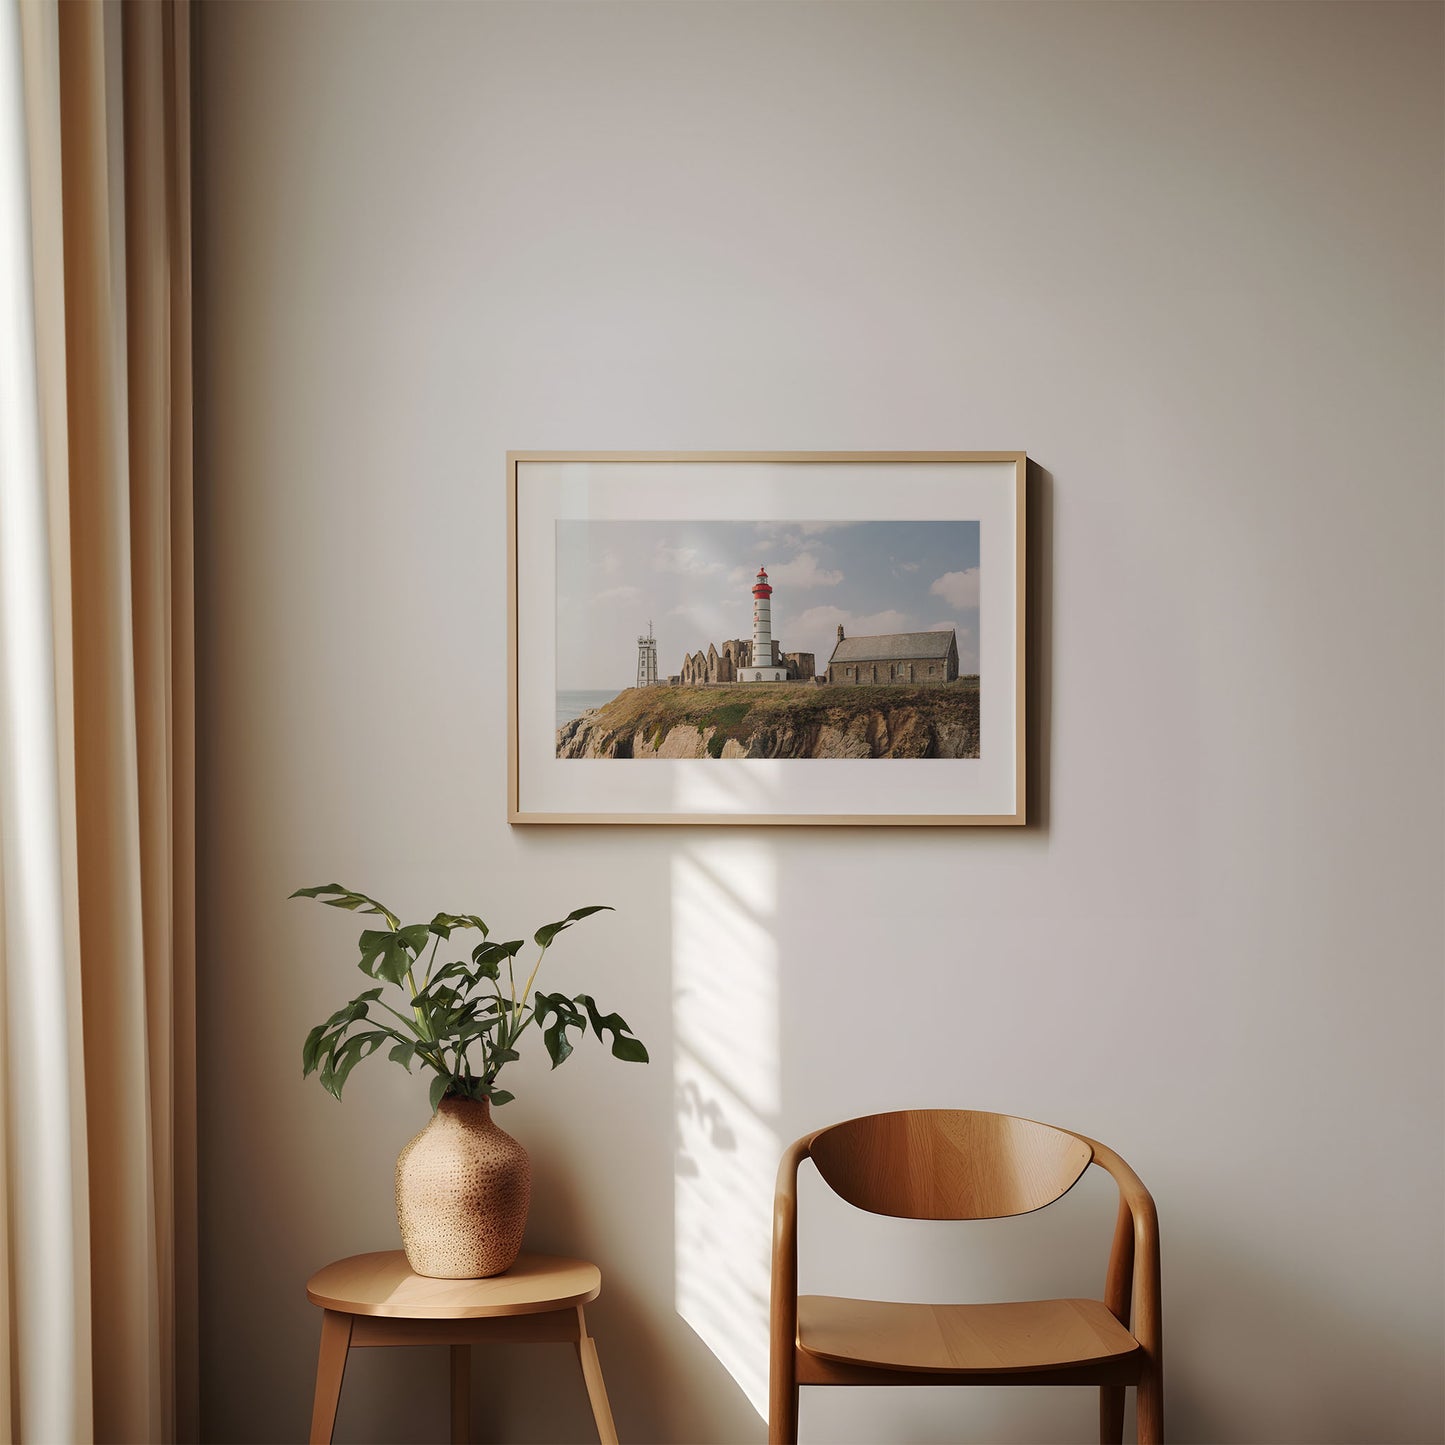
{"type": "Point", "coordinates": [374, 1300]}
{"type": "Point", "coordinates": [781, 820]}
{"type": "Point", "coordinates": [377, 1331]}
{"type": "Point", "coordinates": [596, 1390]}
{"type": "Point", "coordinates": [549, 456]}
{"type": "Point", "coordinates": [815, 1370]}
{"type": "Point", "coordinates": [783, 1306]}
{"type": "Point", "coordinates": [1111, 1415]}
{"type": "Point", "coordinates": [948, 1163]}
{"type": "Point", "coordinates": [961, 1339]}
{"type": "Point", "coordinates": [330, 1369]}
{"type": "Point", "coordinates": [1140, 1282]}
{"type": "Point", "coordinates": [382, 1284]}
{"type": "Point", "coordinates": [1118, 1287]}
{"type": "Point", "coordinates": [956, 1164]}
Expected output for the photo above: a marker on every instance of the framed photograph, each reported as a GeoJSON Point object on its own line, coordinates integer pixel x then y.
{"type": "Point", "coordinates": [753, 638]}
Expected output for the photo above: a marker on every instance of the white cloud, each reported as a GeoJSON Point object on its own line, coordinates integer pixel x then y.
{"type": "Point", "coordinates": [967, 644]}
{"type": "Point", "coordinates": [804, 572]}
{"type": "Point", "coordinates": [801, 573]}
{"type": "Point", "coordinates": [825, 615]}
{"type": "Point", "coordinates": [909, 566]}
{"type": "Point", "coordinates": [958, 589]}
{"type": "Point", "coordinates": [854, 625]}
{"type": "Point", "coordinates": [791, 535]}
{"type": "Point", "coordinates": [626, 593]}
{"type": "Point", "coordinates": [777, 535]}
{"type": "Point", "coordinates": [878, 622]}
{"type": "Point", "coordinates": [684, 562]}
{"type": "Point", "coordinates": [704, 623]}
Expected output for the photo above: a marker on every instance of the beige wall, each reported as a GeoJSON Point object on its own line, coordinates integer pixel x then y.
{"type": "Point", "coordinates": [1189, 257]}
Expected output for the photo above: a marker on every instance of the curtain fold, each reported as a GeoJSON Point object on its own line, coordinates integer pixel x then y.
{"type": "Point", "coordinates": [44, 1265]}
{"type": "Point", "coordinates": [97, 726]}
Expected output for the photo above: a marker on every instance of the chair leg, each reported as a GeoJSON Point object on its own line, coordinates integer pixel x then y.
{"type": "Point", "coordinates": [1150, 1405]}
{"type": "Point", "coordinates": [461, 1394]}
{"type": "Point", "coordinates": [783, 1420]}
{"type": "Point", "coordinates": [596, 1390]}
{"type": "Point", "coordinates": [783, 1398]}
{"type": "Point", "coordinates": [330, 1367]}
{"type": "Point", "coordinates": [1111, 1415]}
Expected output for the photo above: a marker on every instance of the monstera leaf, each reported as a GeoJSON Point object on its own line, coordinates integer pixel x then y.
{"type": "Point", "coordinates": [335, 896]}
{"type": "Point", "coordinates": [389, 955]}
{"type": "Point", "coordinates": [544, 935]}
{"type": "Point", "coordinates": [464, 1019]}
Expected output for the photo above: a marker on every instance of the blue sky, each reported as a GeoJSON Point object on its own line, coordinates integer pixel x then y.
{"type": "Point", "coordinates": [694, 580]}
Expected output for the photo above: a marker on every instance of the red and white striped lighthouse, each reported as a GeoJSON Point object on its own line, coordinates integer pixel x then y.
{"type": "Point", "coordinates": [763, 668]}
{"type": "Point", "coordinates": [762, 621]}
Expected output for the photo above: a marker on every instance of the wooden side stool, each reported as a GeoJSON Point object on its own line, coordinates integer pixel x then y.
{"type": "Point", "coordinates": [375, 1299]}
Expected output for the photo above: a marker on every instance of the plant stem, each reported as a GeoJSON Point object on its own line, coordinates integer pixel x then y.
{"type": "Point", "coordinates": [523, 1026]}
{"type": "Point", "coordinates": [432, 1060]}
{"type": "Point", "coordinates": [427, 1059]}
{"type": "Point", "coordinates": [408, 1022]}
{"type": "Point", "coordinates": [421, 1038]}
{"type": "Point", "coordinates": [525, 992]}
{"type": "Point", "coordinates": [420, 1017]}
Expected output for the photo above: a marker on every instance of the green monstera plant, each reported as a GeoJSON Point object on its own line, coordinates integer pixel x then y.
{"type": "Point", "coordinates": [459, 1020]}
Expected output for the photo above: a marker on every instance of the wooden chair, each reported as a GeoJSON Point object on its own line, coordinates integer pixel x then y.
{"type": "Point", "coordinates": [958, 1164]}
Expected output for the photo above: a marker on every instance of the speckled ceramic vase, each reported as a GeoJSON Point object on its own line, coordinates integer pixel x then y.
{"type": "Point", "coordinates": [463, 1187]}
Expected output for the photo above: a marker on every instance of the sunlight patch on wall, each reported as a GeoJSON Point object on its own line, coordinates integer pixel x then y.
{"type": "Point", "coordinates": [727, 1085]}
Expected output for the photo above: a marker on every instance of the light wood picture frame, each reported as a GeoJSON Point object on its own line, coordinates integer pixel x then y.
{"type": "Point", "coordinates": [740, 703]}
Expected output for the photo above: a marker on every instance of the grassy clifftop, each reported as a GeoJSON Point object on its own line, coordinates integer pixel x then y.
{"type": "Point", "coordinates": [780, 720]}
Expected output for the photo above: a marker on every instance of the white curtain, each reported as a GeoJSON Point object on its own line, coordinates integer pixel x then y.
{"type": "Point", "coordinates": [45, 1365]}
{"type": "Point", "coordinates": [97, 1199]}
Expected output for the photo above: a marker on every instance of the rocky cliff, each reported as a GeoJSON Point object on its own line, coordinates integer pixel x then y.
{"type": "Point", "coordinates": [779, 720]}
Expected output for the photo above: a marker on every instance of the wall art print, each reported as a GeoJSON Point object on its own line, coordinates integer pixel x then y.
{"type": "Point", "coordinates": [748, 638]}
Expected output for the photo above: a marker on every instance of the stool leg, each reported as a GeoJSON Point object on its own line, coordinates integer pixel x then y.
{"type": "Point", "coordinates": [596, 1390]}
{"type": "Point", "coordinates": [461, 1394]}
{"type": "Point", "coordinates": [330, 1366]}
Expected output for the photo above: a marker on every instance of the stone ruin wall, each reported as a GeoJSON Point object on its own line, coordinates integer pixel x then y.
{"type": "Point", "coordinates": [719, 665]}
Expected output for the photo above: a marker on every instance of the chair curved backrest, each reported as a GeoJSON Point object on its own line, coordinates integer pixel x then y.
{"type": "Point", "coordinates": [948, 1163]}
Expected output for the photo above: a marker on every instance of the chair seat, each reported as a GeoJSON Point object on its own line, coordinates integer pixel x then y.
{"type": "Point", "coordinates": [960, 1339]}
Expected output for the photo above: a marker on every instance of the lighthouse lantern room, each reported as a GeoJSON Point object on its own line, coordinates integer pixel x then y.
{"type": "Point", "coordinates": [763, 669]}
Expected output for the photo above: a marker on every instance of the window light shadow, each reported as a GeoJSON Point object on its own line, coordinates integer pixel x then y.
{"type": "Point", "coordinates": [727, 1085]}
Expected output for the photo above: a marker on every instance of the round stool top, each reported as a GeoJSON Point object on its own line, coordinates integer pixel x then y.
{"type": "Point", "coordinates": [383, 1284]}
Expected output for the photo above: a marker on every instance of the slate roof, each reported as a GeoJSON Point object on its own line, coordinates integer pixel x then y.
{"type": "Point", "coordinates": [894, 647]}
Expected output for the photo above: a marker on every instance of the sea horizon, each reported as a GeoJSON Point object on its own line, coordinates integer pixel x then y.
{"type": "Point", "coordinates": [573, 702]}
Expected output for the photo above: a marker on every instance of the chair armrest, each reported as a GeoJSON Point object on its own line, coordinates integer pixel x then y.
{"type": "Point", "coordinates": [783, 1310]}
{"type": "Point", "coordinates": [1135, 1253]}
{"type": "Point", "coordinates": [785, 1236]}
